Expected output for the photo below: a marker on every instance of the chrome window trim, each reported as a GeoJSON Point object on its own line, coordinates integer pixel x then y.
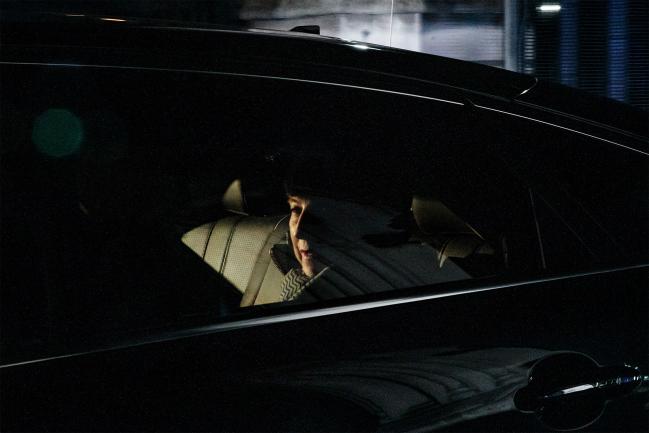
{"type": "Point", "coordinates": [233, 74]}
{"type": "Point", "coordinates": [482, 107]}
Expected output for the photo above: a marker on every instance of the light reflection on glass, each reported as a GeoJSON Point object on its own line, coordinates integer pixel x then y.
{"type": "Point", "coordinates": [57, 133]}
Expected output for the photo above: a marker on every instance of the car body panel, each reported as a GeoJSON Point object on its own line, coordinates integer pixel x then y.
{"type": "Point", "coordinates": [135, 387]}
{"type": "Point", "coordinates": [266, 47]}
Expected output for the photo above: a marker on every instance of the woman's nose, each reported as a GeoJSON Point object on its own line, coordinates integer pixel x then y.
{"type": "Point", "coordinates": [299, 226]}
{"type": "Point", "coordinates": [305, 224]}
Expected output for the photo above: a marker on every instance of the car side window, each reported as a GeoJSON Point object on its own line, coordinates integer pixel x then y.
{"type": "Point", "coordinates": [140, 209]}
{"type": "Point", "coordinates": [586, 192]}
{"type": "Point", "coordinates": [373, 192]}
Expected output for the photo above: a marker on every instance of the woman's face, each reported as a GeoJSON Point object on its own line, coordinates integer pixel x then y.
{"type": "Point", "coordinates": [301, 217]}
{"type": "Point", "coordinates": [322, 228]}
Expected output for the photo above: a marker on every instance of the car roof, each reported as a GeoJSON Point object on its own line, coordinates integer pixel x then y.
{"type": "Point", "coordinates": [292, 47]}
{"type": "Point", "coordinates": [82, 30]}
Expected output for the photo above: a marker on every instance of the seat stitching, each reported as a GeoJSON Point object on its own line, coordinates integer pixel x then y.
{"type": "Point", "coordinates": [226, 251]}
{"type": "Point", "coordinates": [209, 237]}
{"type": "Point", "coordinates": [263, 251]}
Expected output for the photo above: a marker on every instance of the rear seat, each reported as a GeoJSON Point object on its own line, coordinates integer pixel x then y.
{"type": "Point", "coordinates": [237, 246]}
{"type": "Point", "coordinates": [454, 238]}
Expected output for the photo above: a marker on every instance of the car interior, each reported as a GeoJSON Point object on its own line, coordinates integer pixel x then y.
{"type": "Point", "coordinates": [432, 245]}
{"type": "Point", "coordinates": [146, 224]}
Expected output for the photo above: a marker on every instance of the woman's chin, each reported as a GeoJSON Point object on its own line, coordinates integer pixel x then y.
{"type": "Point", "coordinates": [308, 271]}
{"type": "Point", "coordinates": [309, 268]}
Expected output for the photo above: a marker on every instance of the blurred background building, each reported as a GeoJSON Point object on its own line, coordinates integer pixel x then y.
{"type": "Point", "coordinates": [595, 45]}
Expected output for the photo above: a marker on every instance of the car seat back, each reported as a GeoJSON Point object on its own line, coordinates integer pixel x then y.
{"type": "Point", "coordinates": [237, 246]}
{"type": "Point", "coordinates": [442, 228]}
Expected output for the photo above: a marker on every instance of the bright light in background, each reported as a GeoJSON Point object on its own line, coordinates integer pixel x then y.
{"type": "Point", "coordinates": [549, 8]}
{"type": "Point", "coordinates": [113, 19]}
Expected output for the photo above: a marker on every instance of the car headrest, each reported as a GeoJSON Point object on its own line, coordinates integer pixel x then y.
{"type": "Point", "coordinates": [433, 217]}
{"type": "Point", "coordinates": [233, 198]}
{"type": "Point", "coordinates": [254, 197]}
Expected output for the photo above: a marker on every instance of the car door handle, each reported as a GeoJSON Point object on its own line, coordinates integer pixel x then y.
{"type": "Point", "coordinates": [570, 390]}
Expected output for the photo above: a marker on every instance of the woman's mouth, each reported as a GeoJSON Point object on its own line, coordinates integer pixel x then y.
{"type": "Point", "coordinates": [306, 254]}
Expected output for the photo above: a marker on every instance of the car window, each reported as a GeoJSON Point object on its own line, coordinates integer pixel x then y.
{"type": "Point", "coordinates": [590, 195]}
{"type": "Point", "coordinates": [140, 199]}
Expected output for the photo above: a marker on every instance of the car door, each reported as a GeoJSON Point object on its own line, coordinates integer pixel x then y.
{"type": "Point", "coordinates": [114, 324]}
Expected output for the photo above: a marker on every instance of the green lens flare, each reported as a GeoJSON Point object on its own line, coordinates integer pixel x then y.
{"type": "Point", "coordinates": [57, 133]}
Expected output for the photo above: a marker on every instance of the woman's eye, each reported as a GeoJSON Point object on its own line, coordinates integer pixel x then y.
{"type": "Point", "coordinates": [296, 211]}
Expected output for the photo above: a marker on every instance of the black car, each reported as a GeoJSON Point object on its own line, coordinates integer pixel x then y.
{"type": "Point", "coordinates": [207, 229]}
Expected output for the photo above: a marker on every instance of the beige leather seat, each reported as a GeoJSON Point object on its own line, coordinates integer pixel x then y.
{"type": "Point", "coordinates": [442, 228]}
{"type": "Point", "coordinates": [362, 255]}
{"type": "Point", "coordinates": [238, 245]}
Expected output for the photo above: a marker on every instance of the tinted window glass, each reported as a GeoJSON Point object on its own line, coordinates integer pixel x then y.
{"type": "Point", "coordinates": [134, 200]}
{"type": "Point", "coordinates": [591, 195]}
